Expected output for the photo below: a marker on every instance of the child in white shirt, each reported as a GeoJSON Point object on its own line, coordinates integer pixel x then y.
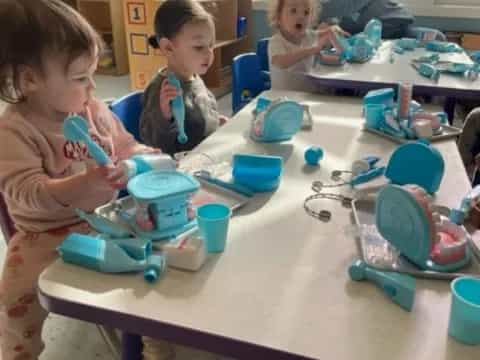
{"type": "Point", "coordinates": [293, 48]}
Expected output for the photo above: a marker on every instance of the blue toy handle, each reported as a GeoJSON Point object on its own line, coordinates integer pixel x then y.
{"type": "Point", "coordinates": [178, 109]}
{"type": "Point", "coordinates": [400, 288]}
{"type": "Point", "coordinates": [367, 176]}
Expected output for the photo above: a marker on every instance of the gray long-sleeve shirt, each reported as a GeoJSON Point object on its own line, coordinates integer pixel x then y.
{"type": "Point", "coordinates": [353, 15]}
{"type": "Point", "coordinates": [201, 115]}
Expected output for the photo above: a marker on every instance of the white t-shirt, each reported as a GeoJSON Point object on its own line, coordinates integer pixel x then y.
{"type": "Point", "coordinates": [292, 78]}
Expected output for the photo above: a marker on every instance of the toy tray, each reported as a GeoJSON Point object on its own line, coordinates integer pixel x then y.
{"type": "Point", "coordinates": [380, 254]}
{"type": "Point", "coordinates": [207, 193]}
{"type": "Point", "coordinates": [449, 132]}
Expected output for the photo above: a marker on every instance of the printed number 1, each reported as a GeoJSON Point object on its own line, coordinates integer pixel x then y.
{"type": "Point", "coordinates": [136, 15]}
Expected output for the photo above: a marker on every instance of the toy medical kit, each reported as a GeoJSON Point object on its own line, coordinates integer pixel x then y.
{"type": "Point", "coordinates": [364, 165]}
{"type": "Point", "coordinates": [98, 253]}
{"type": "Point", "coordinates": [141, 163]}
{"type": "Point", "coordinates": [75, 128]}
{"type": "Point", "coordinates": [164, 196]}
{"type": "Point", "coordinates": [427, 70]}
{"type": "Point", "coordinates": [408, 44]}
{"type": "Point", "coordinates": [275, 121]}
{"type": "Point", "coordinates": [397, 121]}
{"type": "Point", "coordinates": [377, 252]}
{"type": "Point", "coordinates": [405, 90]}
{"type": "Point", "coordinates": [405, 217]}
{"type": "Point", "coordinates": [424, 35]}
{"type": "Point", "coordinates": [400, 288]}
{"type": "Point", "coordinates": [178, 109]}
{"type": "Point", "coordinates": [373, 30]}
{"type": "Point", "coordinates": [259, 173]}
{"type": "Point", "coordinates": [442, 46]}
{"type": "Point", "coordinates": [313, 155]}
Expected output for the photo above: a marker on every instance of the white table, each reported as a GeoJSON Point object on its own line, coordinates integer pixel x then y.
{"type": "Point", "coordinates": [281, 289]}
{"type": "Point", "coordinates": [379, 73]}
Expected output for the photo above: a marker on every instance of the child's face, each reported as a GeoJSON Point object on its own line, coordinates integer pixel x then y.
{"type": "Point", "coordinates": [70, 91]}
{"type": "Point", "coordinates": [295, 17]}
{"type": "Point", "coordinates": [192, 49]}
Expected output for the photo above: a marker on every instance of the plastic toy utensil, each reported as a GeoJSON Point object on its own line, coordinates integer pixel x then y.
{"type": "Point", "coordinates": [205, 175]}
{"type": "Point", "coordinates": [104, 225]}
{"type": "Point", "coordinates": [75, 128]}
{"type": "Point", "coordinates": [400, 288]}
{"type": "Point", "coordinates": [178, 109]}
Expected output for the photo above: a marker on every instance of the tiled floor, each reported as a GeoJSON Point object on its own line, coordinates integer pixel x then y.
{"type": "Point", "coordinates": [78, 340]}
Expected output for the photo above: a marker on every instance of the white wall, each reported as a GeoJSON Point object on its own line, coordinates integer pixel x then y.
{"type": "Point", "coordinates": [433, 8]}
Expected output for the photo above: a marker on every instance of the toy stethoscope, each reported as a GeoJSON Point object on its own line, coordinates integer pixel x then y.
{"type": "Point", "coordinates": [363, 170]}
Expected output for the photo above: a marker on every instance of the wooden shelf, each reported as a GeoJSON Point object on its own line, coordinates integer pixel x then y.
{"type": "Point", "coordinates": [106, 16]}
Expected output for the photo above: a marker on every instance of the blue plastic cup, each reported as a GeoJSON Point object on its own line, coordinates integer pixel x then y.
{"type": "Point", "coordinates": [464, 324]}
{"type": "Point", "coordinates": [213, 224]}
{"type": "Point", "coordinates": [374, 115]}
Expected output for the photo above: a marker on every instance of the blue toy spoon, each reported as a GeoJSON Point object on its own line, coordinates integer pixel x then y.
{"type": "Point", "coordinates": [75, 128]}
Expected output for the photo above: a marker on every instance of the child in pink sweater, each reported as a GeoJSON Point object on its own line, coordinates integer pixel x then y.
{"type": "Point", "coordinates": [48, 58]}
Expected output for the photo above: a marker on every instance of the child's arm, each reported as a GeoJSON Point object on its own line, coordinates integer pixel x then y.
{"type": "Point", "coordinates": [284, 61]}
{"type": "Point", "coordinates": [156, 129]}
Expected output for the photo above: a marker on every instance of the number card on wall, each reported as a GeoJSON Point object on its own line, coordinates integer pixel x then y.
{"type": "Point", "coordinates": [136, 13]}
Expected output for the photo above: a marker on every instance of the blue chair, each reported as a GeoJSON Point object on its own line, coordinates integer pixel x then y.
{"type": "Point", "coordinates": [248, 80]}
{"type": "Point", "coordinates": [262, 52]}
{"type": "Point", "coordinates": [128, 109]}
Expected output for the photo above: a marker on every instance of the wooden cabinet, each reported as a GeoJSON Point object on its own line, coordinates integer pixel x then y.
{"type": "Point", "coordinates": [106, 16]}
{"type": "Point", "coordinates": [145, 61]}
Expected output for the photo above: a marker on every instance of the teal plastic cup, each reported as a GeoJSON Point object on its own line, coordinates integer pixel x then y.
{"type": "Point", "coordinates": [213, 224]}
{"type": "Point", "coordinates": [464, 324]}
{"type": "Point", "coordinates": [374, 115]}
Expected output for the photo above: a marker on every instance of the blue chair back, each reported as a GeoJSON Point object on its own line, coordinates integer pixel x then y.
{"type": "Point", "coordinates": [128, 109]}
{"type": "Point", "coordinates": [248, 80]}
{"type": "Point", "coordinates": [262, 52]}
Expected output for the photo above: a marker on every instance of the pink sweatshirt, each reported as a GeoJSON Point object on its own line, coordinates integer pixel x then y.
{"type": "Point", "coordinates": [34, 150]}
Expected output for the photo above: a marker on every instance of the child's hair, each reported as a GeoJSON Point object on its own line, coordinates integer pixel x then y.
{"type": "Point", "coordinates": [32, 30]}
{"type": "Point", "coordinates": [276, 7]}
{"type": "Point", "coordinates": [173, 14]}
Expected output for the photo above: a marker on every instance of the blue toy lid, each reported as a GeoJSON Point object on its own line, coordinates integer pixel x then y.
{"type": "Point", "coordinates": [256, 167]}
{"type": "Point", "coordinates": [379, 96]}
{"type": "Point", "coordinates": [416, 163]}
{"type": "Point", "coordinates": [156, 184]}
{"type": "Point", "coordinates": [281, 122]}
{"type": "Point", "coordinates": [403, 222]}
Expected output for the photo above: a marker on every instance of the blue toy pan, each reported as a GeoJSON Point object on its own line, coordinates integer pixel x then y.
{"type": "Point", "coordinates": [281, 122]}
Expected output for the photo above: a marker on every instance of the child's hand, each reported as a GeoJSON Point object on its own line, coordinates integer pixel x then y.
{"type": "Point", "coordinates": [334, 29]}
{"type": "Point", "coordinates": [222, 120]}
{"type": "Point", "coordinates": [110, 175]}
{"type": "Point", "coordinates": [168, 92]}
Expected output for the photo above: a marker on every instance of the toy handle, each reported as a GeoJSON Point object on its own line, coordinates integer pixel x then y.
{"type": "Point", "coordinates": [178, 109]}
{"type": "Point", "coordinates": [367, 176]}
